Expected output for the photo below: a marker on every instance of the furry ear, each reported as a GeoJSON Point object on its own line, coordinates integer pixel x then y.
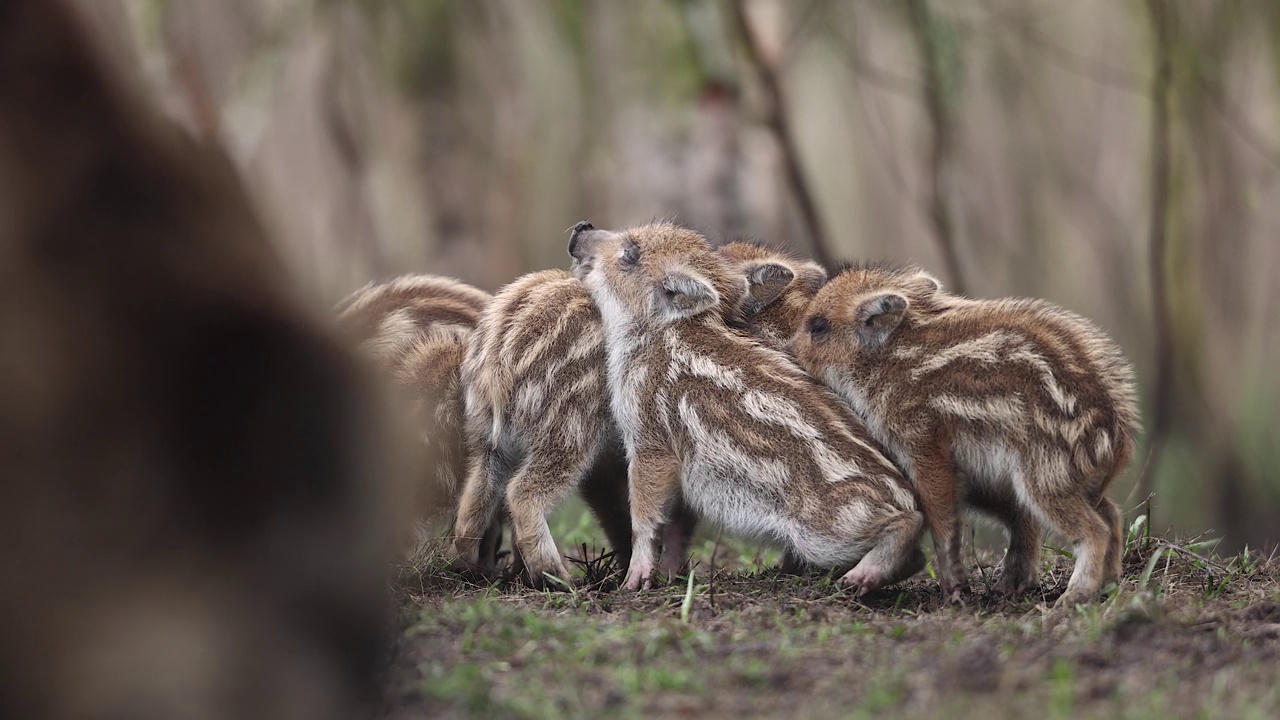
{"type": "Point", "coordinates": [684, 295]}
{"type": "Point", "coordinates": [766, 281]}
{"type": "Point", "coordinates": [875, 318]}
{"type": "Point", "coordinates": [927, 282]}
{"type": "Point", "coordinates": [811, 277]}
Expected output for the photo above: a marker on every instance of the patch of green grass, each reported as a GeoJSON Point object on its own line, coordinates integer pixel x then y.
{"type": "Point", "coordinates": [572, 525]}
{"type": "Point", "coordinates": [503, 650]}
{"type": "Point", "coordinates": [1062, 688]}
{"type": "Point", "coordinates": [748, 641]}
{"type": "Point", "coordinates": [884, 695]}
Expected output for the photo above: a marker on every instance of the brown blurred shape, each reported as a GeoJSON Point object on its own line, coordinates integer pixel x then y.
{"type": "Point", "coordinates": [195, 514]}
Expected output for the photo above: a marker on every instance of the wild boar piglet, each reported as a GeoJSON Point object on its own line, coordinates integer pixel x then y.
{"type": "Point", "coordinates": [749, 440]}
{"type": "Point", "coordinates": [1015, 407]}
{"type": "Point", "coordinates": [538, 410]}
{"type": "Point", "coordinates": [417, 327]}
{"type": "Point", "coordinates": [536, 418]}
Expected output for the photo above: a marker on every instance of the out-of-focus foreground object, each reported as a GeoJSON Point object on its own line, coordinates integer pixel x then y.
{"type": "Point", "coordinates": [196, 512]}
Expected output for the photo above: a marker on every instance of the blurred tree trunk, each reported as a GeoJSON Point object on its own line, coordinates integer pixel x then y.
{"type": "Point", "coordinates": [1222, 263]}
{"type": "Point", "coordinates": [1162, 21]}
{"type": "Point", "coordinates": [940, 89]}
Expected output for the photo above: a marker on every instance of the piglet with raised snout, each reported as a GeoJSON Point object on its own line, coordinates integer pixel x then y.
{"type": "Point", "coordinates": [538, 409]}
{"type": "Point", "coordinates": [749, 440]}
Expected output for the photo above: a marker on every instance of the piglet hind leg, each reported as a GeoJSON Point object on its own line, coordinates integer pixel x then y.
{"type": "Point", "coordinates": [1077, 519]}
{"type": "Point", "coordinates": [534, 491]}
{"type": "Point", "coordinates": [477, 513]}
{"type": "Point", "coordinates": [896, 557]}
{"type": "Point", "coordinates": [1113, 516]}
{"type": "Point", "coordinates": [654, 480]}
{"type": "Point", "coordinates": [793, 564]}
{"type": "Point", "coordinates": [1020, 571]}
{"type": "Point", "coordinates": [935, 482]}
{"type": "Point", "coordinates": [676, 533]}
{"type": "Point", "coordinates": [491, 543]}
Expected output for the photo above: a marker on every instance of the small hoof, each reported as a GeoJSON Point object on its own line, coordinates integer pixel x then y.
{"type": "Point", "coordinates": [639, 578]}
{"type": "Point", "coordinates": [1009, 586]}
{"type": "Point", "coordinates": [792, 564]}
{"type": "Point", "coordinates": [863, 579]}
{"type": "Point", "coordinates": [672, 568]}
{"type": "Point", "coordinates": [1070, 600]}
{"type": "Point", "coordinates": [472, 572]}
{"type": "Point", "coordinates": [636, 585]}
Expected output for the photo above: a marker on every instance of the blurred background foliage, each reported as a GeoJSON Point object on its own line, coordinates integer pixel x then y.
{"type": "Point", "coordinates": [1119, 157]}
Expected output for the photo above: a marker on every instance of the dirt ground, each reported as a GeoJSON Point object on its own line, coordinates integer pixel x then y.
{"type": "Point", "coordinates": [1184, 635]}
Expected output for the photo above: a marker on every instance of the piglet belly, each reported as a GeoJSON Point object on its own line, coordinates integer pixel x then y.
{"type": "Point", "coordinates": [743, 505]}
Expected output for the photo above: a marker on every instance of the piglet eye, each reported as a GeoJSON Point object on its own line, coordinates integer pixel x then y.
{"type": "Point", "coordinates": [818, 326]}
{"type": "Point", "coordinates": [630, 254]}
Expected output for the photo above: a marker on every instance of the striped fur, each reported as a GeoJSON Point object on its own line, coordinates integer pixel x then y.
{"type": "Point", "coordinates": [537, 404]}
{"type": "Point", "coordinates": [736, 428]}
{"type": "Point", "coordinates": [390, 314]}
{"type": "Point", "coordinates": [772, 313]}
{"type": "Point", "coordinates": [417, 327]}
{"type": "Point", "coordinates": [536, 415]}
{"type": "Point", "coordinates": [1029, 408]}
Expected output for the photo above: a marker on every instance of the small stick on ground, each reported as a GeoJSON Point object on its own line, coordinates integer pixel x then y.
{"type": "Point", "coordinates": [711, 590]}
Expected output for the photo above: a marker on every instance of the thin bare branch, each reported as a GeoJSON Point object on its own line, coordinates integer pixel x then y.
{"type": "Point", "coordinates": [775, 115]}
{"type": "Point", "coordinates": [1026, 30]}
{"type": "Point", "coordinates": [882, 149]}
{"type": "Point", "coordinates": [799, 34]}
{"type": "Point", "coordinates": [863, 69]}
{"type": "Point", "coordinates": [1240, 124]}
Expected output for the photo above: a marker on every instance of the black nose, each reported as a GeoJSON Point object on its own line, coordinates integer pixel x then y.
{"type": "Point", "coordinates": [573, 235]}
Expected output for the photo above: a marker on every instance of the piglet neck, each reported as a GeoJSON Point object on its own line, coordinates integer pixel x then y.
{"type": "Point", "coordinates": [706, 323]}
{"type": "Point", "coordinates": [622, 332]}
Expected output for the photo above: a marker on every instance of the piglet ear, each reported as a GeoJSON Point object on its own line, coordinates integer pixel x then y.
{"type": "Point", "coordinates": [685, 294]}
{"type": "Point", "coordinates": [810, 277]}
{"type": "Point", "coordinates": [876, 317]}
{"type": "Point", "coordinates": [928, 283]}
{"type": "Point", "coordinates": [766, 282]}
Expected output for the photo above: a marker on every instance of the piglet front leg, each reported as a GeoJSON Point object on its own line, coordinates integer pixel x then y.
{"type": "Point", "coordinates": [653, 479]}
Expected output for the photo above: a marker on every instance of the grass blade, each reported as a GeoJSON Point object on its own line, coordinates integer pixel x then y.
{"type": "Point", "coordinates": [1151, 566]}
{"type": "Point", "coordinates": [687, 605]}
{"type": "Point", "coordinates": [563, 583]}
